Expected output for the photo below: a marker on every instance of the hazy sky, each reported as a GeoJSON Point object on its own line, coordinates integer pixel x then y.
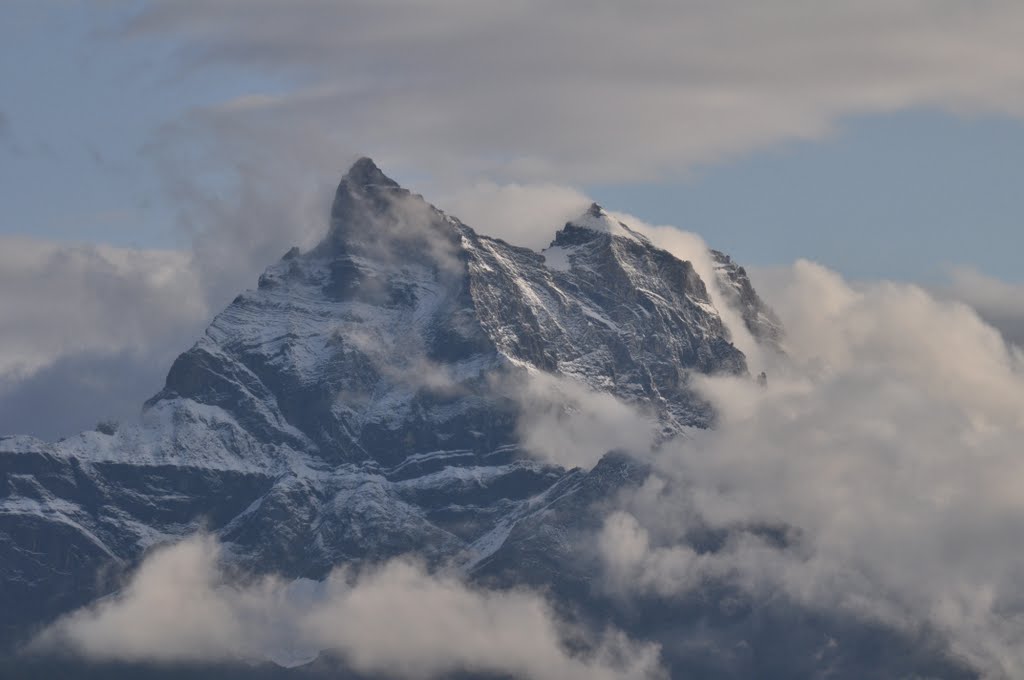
{"type": "Point", "coordinates": [899, 184]}
{"type": "Point", "coordinates": [156, 156]}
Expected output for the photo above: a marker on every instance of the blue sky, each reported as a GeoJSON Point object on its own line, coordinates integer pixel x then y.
{"type": "Point", "coordinates": [81, 106]}
{"type": "Point", "coordinates": [900, 194]}
{"type": "Point", "coordinates": [903, 196]}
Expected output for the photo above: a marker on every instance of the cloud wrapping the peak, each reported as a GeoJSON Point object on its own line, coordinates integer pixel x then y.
{"type": "Point", "coordinates": [888, 447]}
{"type": "Point", "coordinates": [525, 215]}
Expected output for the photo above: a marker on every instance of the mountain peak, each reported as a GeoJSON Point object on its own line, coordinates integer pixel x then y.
{"type": "Point", "coordinates": [371, 210]}
{"type": "Point", "coordinates": [365, 173]}
{"type": "Point", "coordinates": [363, 194]}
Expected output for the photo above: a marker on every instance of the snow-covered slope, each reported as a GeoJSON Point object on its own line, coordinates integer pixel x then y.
{"type": "Point", "coordinates": [356, 405]}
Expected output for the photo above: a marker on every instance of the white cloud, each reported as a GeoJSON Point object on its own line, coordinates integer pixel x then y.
{"type": "Point", "coordinates": [57, 299]}
{"type": "Point", "coordinates": [88, 330]}
{"type": "Point", "coordinates": [998, 302]}
{"type": "Point", "coordinates": [578, 92]}
{"type": "Point", "coordinates": [522, 214]}
{"type": "Point", "coordinates": [566, 423]}
{"type": "Point", "coordinates": [395, 619]}
{"type": "Point", "coordinates": [890, 443]}
{"type": "Point", "coordinates": [633, 564]}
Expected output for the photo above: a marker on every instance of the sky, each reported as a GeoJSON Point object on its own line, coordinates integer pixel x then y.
{"type": "Point", "coordinates": [90, 87]}
{"type": "Point", "coordinates": [882, 140]}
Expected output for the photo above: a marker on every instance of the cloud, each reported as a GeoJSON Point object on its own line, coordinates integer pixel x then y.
{"type": "Point", "coordinates": [67, 311]}
{"type": "Point", "coordinates": [60, 298]}
{"type": "Point", "coordinates": [528, 92]}
{"type": "Point", "coordinates": [395, 619]}
{"type": "Point", "coordinates": [998, 302]}
{"type": "Point", "coordinates": [89, 331]}
{"type": "Point", "coordinates": [888, 449]}
{"type": "Point", "coordinates": [634, 565]}
{"type": "Point", "coordinates": [525, 215]}
{"type": "Point", "coordinates": [82, 327]}
{"type": "Point", "coordinates": [242, 203]}
{"type": "Point", "coordinates": [564, 422]}
{"type": "Point", "coordinates": [81, 389]}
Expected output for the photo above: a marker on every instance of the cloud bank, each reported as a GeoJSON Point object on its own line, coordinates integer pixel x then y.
{"type": "Point", "coordinates": [886, 452]}
{"type": "Point", "coordinates": [88, 330]}
{"type": "Point", "coordinates": [579, 92]}
{"type": "Point", "coordinates": [998, 302]}
{"type": "Point", "coordinates": [395, 619]}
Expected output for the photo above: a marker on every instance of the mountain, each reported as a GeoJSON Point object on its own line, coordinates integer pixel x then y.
{"type": "Point", "coordinates": [367, 400]}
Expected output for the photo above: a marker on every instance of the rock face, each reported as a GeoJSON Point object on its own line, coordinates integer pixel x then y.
{"type": "Point", "coordinates": [356, 406]}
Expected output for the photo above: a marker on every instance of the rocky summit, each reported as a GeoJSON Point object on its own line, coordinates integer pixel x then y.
{"type": "Point", "coordinates": [366, 401]}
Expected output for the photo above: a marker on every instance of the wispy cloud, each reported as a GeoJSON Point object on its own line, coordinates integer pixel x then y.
{"type": "Point", "coordinates": [1000, 303]}
{"type": "Point", "coordinates": [395, 619]}
{"type": "Point", "coordinates": [88, 330]}
{"type": "Point", "coordinates": [886, 451]}
{"type": "Point", "coordinates": [531, 92]}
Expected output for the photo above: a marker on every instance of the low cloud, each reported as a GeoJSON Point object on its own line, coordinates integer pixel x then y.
{"type": "Point", "coordinates": [888, 448]}
{"type": "Point", "coordinates": [64, 298]}
{"type": "Point", "coordinates": [562, 421]}
{"type": "Point", "coordinates": [395, 619]}
{"type": "Point", "coordinates": [998, 302]}
{"type": "Point", "coordinates": [79, 390]}
{"type": "Point", "coordinates": [84, 327]}
{"type": "Point", "coordinates": [634, 565]}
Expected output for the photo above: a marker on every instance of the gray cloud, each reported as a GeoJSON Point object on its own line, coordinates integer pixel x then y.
{"type": "Point", "coordinates": [61, 298]}
{"type": "Point", "coordinates": [582, 92]}
{"type": "Point", "coordinates": [522, 214]}
{"type": "Point", "coordinates": [889, 444]}
{"type": "Point", "coordinates": [998, 302]}
{"type": "Point", "coordinates": [242, 203]}
{"type": "Point", "coordinates": [79, 390]}
{"type": "Point", "coordinates": [568, 424]}
{"type": "Point", "coordinates": [88, 330]}
{"type": "Point", "coordinates": [395, 619]}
